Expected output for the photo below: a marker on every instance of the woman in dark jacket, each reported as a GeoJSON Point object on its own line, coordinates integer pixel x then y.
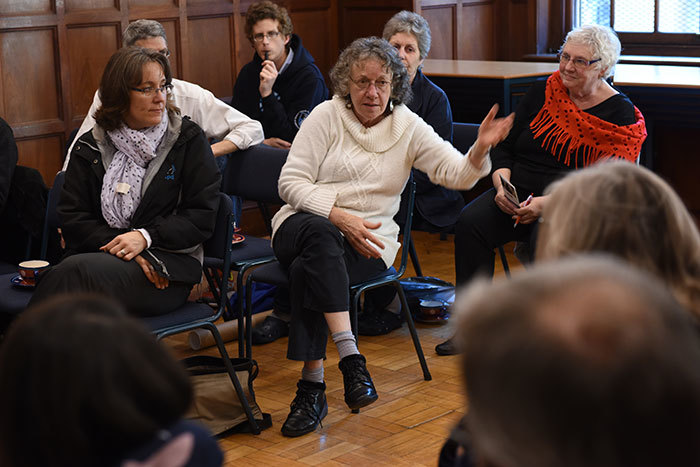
{"type": "Point", "coordinates": [140, 195]}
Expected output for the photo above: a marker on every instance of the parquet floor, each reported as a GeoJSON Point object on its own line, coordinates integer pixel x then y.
{"type": "Point", "coordinates": [406, 426]}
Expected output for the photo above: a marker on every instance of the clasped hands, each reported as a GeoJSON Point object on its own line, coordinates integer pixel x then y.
{"type": "Point", "coordinates": [128, 246]}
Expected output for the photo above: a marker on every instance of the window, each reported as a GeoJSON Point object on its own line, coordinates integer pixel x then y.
{"type": "Point", "coordinates": [641, 16]}
{"type": "Point", "coordinates": [663, 27]}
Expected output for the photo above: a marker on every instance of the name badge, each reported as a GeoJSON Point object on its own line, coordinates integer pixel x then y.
{"type": "Point", "coordinates": [123, 188]}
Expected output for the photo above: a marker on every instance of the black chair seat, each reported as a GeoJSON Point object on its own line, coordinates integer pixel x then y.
{"type": "Point", "coordinates": [6, 268]}
{"type": "Point", "coordinates": [14, 299]}
{"type": "Point", "coordinates": [187, 314]}
{"type": "Point", "coordinates": [271, 273]}
{"type": "Point", "coordinates": [242, 253]}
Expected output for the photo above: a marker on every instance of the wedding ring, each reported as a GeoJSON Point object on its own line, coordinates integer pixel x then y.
{"type": "Point", "coordinates": [122, 252]}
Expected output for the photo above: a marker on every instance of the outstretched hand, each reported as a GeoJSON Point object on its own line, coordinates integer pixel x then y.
{"type": "Point", "coordinates": [494, 130]}
{"type": "Point", "coordinates": [356, 230]}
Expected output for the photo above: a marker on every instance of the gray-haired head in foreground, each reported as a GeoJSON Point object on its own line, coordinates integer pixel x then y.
{"type": "Point", "coordinates": [371, 48]}
{"type": "Point", "coordinates": [142, 29]}
{"type": "Point", "coordinates": [580, 362]}
{"type": "Point", "coordinates": [410, 23]}
{"type": "Point", "coordinates": [602, 41]}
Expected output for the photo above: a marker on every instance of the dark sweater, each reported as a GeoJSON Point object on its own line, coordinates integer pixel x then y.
{"type": "Point", "coordinates": [534, 168]}
{"type": "Point", "coordinates": [437, 205]}
{"type": "Point", "coordinates": [297, 90]}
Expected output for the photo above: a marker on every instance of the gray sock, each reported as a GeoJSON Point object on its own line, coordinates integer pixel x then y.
{"type": "Point", "coordinates": [345, 342]}
{"type": "Point", "coordinates": [313, 376]}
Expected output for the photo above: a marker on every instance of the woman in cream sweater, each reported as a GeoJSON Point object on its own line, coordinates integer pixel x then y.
{"type": "Point", "coordinates": [342, 181]}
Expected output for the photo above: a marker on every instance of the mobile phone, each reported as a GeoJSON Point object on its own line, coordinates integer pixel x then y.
{"type": "Point", "coordinates": [510, 191]}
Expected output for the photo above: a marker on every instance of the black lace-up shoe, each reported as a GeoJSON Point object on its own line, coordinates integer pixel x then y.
{"type": "Point", "coordinates": [359, 389]}
{"type": "Point", "coordinates": [307, 410]}
{"type": "Point", "coordinates": [270, 330]}
{"type": "Point", "coordinates": [449, 347]}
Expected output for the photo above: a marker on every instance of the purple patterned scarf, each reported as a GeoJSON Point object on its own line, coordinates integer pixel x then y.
{"type": "Point", "coordinates": [121, 185]}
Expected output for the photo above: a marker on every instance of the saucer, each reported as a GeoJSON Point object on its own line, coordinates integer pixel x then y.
{"type": "Point", "coordinates": [17, 281]}
{"type": "Point", "coordinates": [237, 238]}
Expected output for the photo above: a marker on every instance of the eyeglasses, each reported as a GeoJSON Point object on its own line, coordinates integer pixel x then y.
{"type": "Point", "coordinates": [363, 84]}
{"type": "Point", "coordinates": [272, 35]}
{"type": "Point", "coordinates": [151, 91]}
{"type": "Point", "coordinates": [579, 63]}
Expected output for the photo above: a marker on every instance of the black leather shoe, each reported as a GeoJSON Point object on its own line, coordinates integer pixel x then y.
{"type": "Point", "coordinates": [359, 389]}
{"type": "Point", "coordinates": [307, 410]}
{"type": "Point", "coordinates": [379, 323]}
{"type": "Point", "coordinates": [447, 348]}
{"type": "Point", "coordinates": [270, 330]}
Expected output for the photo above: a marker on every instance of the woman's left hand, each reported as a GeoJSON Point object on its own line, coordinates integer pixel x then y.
{"type": "Point", "coordinates": [126, 246]}
{"type": "Point", "coordinates": [530, 213]}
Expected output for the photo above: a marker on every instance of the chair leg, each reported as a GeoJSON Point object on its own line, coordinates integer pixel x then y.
{"type": "Point", "coordinates": [414, 258]}
{"type": "Point", "coordinates": [249, 317]}
{"type": "Point", "coordinates": [254, 428]}
{"type": "Point", "coordinates": [504, 260]}
{"type": "Point", "coordinates": [354, 312]}
{"type": "Point", "coordinates": [412, 328]}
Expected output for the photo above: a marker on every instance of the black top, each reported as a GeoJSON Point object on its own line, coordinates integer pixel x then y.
{"type": "Point", "coordinates": [297, 90]}
{"type": "Point", "coordinates": [438, 205]}
{"type": "Point", "coordinates": [533, 168]}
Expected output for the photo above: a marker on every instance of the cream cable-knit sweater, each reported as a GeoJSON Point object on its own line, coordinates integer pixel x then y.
{"type": "Point", "coordinates": [335, 161]}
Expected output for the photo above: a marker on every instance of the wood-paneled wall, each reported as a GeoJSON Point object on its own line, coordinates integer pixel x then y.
{"type": "Point", "coordinates": [495, 29]}
{"type": "Point", "coordinates": [461, 29]}
{"type": "Point", "coordinates": [52, 53]}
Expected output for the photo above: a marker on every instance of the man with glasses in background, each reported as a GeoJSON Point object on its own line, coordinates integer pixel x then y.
{"type": "Point", "coordinates": [281, 85]}
{"type": "Point", "coordinates": [232, 129]}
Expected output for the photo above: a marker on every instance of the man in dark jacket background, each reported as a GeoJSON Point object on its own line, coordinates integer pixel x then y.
{"type": "Point", "coordinates": [281, 85]}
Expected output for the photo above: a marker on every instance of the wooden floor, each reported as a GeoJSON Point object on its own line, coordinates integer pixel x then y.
{"type": "Point", "coordinates": [406, 426]}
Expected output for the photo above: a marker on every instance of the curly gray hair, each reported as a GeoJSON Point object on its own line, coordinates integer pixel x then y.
{"type": "Point", "coordinates": [410, 23]}
{"type": "Point", "coordinates": [602, 41]}
{"type": "Point", "coordinates": [367, 48]}
{"type": "Point", "coordinates": [143, 29]}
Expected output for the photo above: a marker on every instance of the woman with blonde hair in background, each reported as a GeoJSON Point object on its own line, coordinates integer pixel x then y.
{"type": "Point", "coordinates": [629, 211]}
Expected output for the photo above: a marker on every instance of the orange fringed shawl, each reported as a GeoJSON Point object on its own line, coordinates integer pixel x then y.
{"type": "Point", "coordinates": [566, 128]}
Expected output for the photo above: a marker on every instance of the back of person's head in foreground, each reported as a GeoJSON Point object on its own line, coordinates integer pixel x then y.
{"type": "Point", "coordinates": [83, 383]}
{"type": "Point", "coordinates": [581, 362]}
{"type": "Point", "coordinates": [625, 210]}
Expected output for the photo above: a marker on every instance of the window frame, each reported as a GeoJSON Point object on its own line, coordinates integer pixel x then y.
{"type": "Point", "coordinates": [651, 43]}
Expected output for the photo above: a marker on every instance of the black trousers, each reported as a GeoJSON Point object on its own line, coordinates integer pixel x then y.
{"type": "Point", "coordinates": [105, 274]}
{"type": "Point", "coordinates": [321, 265]}
{"type": "Point", "coordinates": [480, 228]}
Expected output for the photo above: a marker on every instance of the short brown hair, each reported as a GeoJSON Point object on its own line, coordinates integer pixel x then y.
{"type": "Point", "coordinates": [124, 71]}
{"type": "Point", "coordinates": [579, 362]}
{"type": "Point", "coordinates": [88, 381]}
{"type": "Point", "coordinates": [267, 10]}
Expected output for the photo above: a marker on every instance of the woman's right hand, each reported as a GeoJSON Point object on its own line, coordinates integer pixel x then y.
{"type": "Point", "coordinates": [356, 230]}
{"type": "Point", "coordinates": [156, 279]}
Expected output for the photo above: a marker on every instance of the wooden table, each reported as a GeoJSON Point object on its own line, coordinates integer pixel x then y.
{"type": "Point", "coordinates": [473, 86]}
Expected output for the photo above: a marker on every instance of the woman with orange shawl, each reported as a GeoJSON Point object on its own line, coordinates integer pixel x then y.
{"type": "Point", "coordinates": [571, 121]}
